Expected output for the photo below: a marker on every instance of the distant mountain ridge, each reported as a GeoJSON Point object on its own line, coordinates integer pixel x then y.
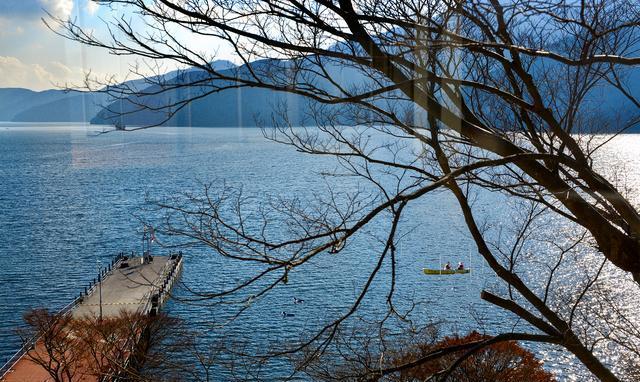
{"type": "Point", "coordinates": [241, 107]}
{"type": "Point", "coordinates": [23, 105]}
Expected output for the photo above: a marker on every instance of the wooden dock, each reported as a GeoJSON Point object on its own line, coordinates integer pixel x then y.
{"type": "Point", "coordinates": [135, 285]}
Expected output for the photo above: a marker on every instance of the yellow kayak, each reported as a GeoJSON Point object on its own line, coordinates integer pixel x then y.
{"type": "Point", "coordinates": [428, 271]}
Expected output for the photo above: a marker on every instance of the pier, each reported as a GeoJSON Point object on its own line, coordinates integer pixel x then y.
{"type": "Point", "coordinates": [133, 285]}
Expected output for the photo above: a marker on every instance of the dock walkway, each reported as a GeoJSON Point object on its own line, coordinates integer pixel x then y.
{"type": "Point", "coordinates": [125, 289]}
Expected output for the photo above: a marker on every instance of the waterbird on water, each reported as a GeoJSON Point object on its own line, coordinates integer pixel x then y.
{"type": "Point", "coordinates": [297, 300]}
{"type": "Point", "coordinates": [285, 314]}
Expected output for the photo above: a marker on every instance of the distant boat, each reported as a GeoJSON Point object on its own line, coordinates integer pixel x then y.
{"type": "Point", "coordinates": [428, 271]}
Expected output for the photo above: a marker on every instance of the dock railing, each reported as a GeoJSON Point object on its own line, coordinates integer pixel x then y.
{"type": "Point", "coordinates": [169, 274]}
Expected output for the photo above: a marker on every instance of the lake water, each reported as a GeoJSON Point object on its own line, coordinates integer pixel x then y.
{"type": "Point", "coordinates": [69, 198]}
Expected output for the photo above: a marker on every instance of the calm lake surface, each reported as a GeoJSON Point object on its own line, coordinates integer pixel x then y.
{"type": "Point", "coordinates": [69, 198]}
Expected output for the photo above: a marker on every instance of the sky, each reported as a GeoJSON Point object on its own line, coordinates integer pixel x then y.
{"type": "Point", "coordinates": [34, 57]}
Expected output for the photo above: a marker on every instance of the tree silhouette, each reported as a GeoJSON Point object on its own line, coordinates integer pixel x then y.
{"type": "Point", "coordinates": [460, 96]}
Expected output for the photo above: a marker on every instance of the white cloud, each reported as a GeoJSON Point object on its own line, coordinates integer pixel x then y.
{"type": "Point", "coordinates": [58, 8]}
{"type": "Point", "coordinates": [60, 70]}
{"type": "Point", "coordinates": [15, 73]}
{"type": "Point", "coordinates": [91, 7]}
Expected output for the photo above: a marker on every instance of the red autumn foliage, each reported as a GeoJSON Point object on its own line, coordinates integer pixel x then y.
{"type": "Point", "coordinates": [501, 362]}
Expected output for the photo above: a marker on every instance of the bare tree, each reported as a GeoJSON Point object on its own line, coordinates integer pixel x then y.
{"type": "Point", "coordinates": [129, 346]}
{"type": "Point", "coordinates": [460, 96]}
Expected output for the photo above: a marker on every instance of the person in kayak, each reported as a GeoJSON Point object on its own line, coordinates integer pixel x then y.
{"type": "Point", "coordinates": [447, 266]}
{"type": "Point", "coordinates": [460, 266]}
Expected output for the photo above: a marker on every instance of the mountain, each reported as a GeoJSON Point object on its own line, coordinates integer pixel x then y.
{"type": "Point", "coordinates": [604, 108]}
{"type": "Point", "coordinates": [232, 106]}
{"type": "Point", "coordinates": [74, 107]}
{"type": "Point", "coordinates": [15, 100]}
{"type": "Point", "coordinates": [24, 105]}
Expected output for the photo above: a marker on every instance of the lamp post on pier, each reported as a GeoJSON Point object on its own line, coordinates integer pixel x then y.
{"type": "Point", "coordinates": [99, 288]}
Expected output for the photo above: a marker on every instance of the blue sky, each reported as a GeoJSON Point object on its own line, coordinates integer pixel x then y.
{"type": "Point", "coordinates": [33, 57]}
